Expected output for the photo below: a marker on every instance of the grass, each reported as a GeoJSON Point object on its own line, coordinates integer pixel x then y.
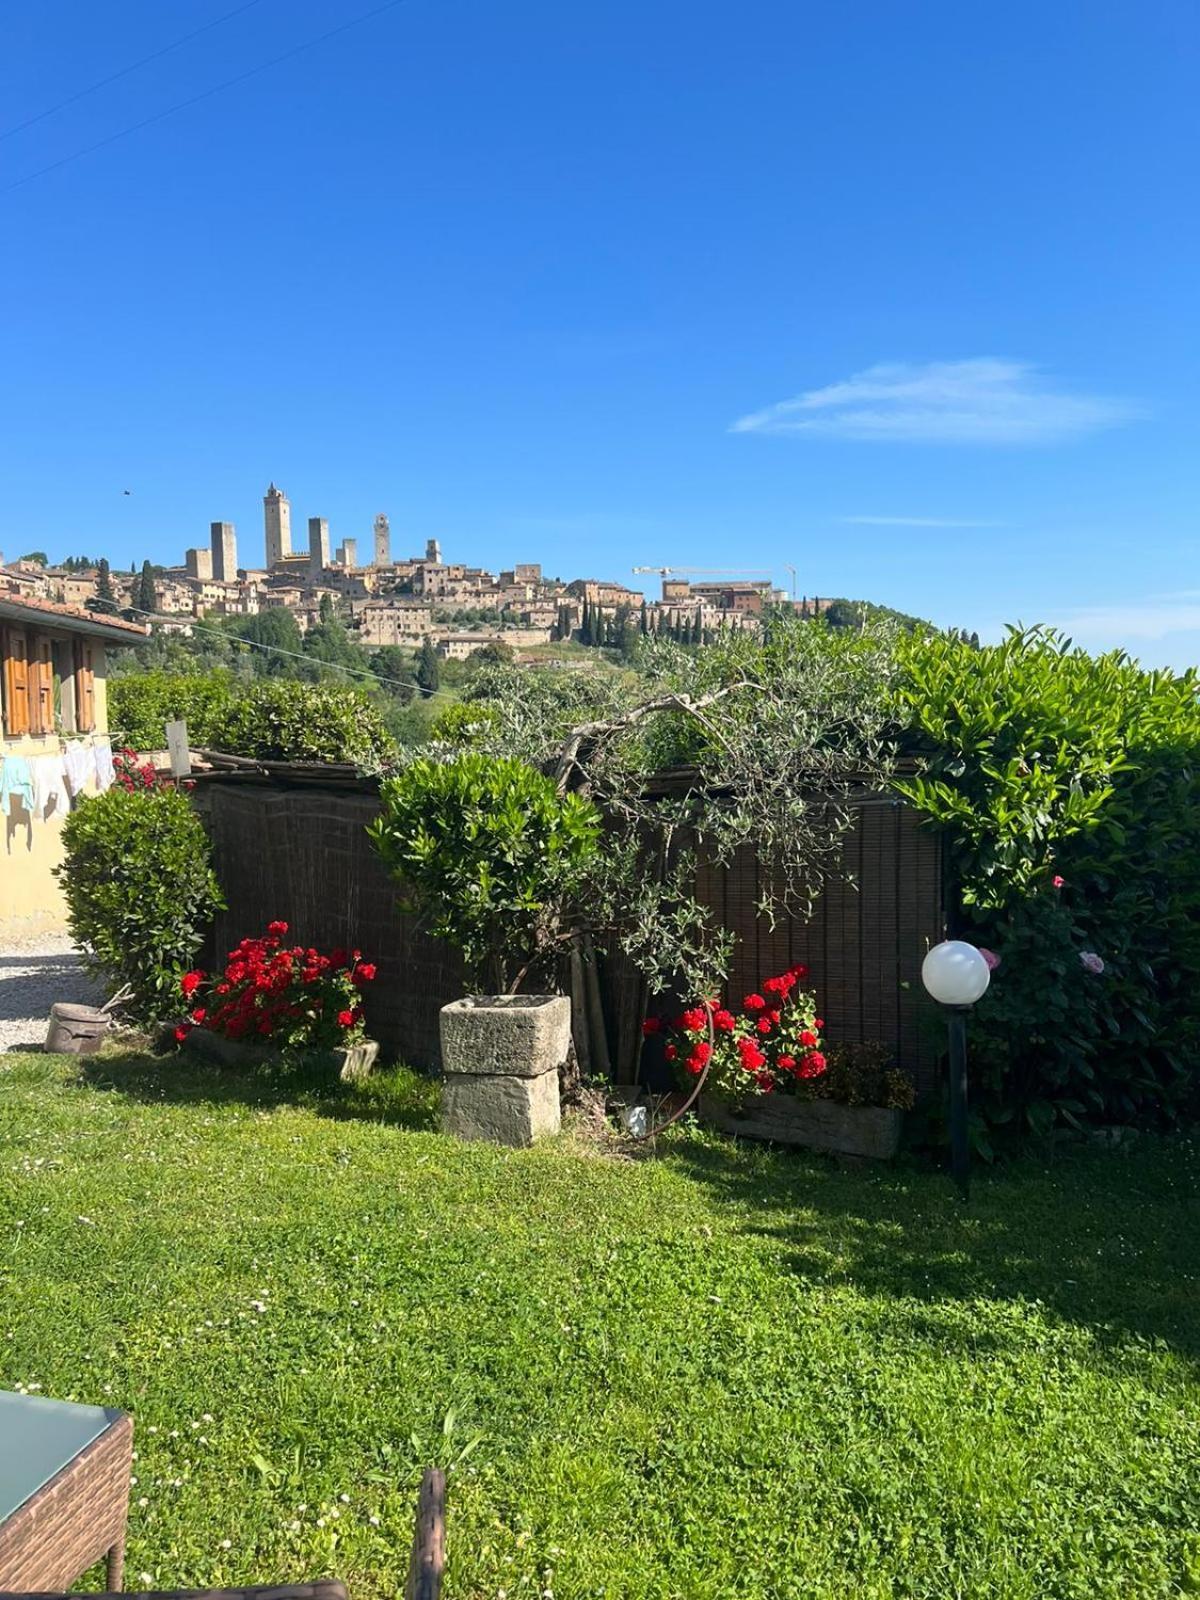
{"type": "Point", "coordinates": [718, 1372]}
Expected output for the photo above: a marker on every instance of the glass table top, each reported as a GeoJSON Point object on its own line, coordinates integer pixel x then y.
{"type": "Point", "coordinates": [38, 1437]}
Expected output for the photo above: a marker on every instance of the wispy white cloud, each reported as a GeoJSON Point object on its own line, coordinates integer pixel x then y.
{"type": "Point", "coordinates": [1158, 630]}
{"type": "Point", "coordinates": [1123, 622]}
{"type": "Point", "coordinates": [981, 401]}
{"type": "Point", "coordinates": [920, 522]}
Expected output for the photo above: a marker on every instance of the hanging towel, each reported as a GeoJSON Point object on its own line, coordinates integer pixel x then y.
{"type": "Point", "coordinates": [81, 765]}
{"type": "Point", "coordinates": [16, 779]}
{"type": "Point", "coordinates": [49, 786]}
{"type": "Point", "coordinates": [104, 764]}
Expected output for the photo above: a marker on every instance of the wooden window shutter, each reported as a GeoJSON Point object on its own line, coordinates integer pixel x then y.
{"type": "Point", "coordinates": [41, 686]}
{"type": "Point", "coordinates": [85, 688]}
{"type": "Point", "coordinates": [16, 683]}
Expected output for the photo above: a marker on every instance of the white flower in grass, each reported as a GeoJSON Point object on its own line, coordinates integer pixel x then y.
{"type": "Point", "coordinates": [226, 1544]}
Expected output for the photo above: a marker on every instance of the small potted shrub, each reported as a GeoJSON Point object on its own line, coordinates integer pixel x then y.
{"type": "Point", "coordinates": [273, 998]}
{"type": "Point", "coordinates": [492, 856]}
{"type": "Point", "coordinates": [770, 1076]}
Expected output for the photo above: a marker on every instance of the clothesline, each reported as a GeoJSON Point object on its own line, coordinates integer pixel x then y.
{"type": "Point", "coordinates": [46, 784]}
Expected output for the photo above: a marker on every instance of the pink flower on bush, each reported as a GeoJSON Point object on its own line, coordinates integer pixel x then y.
{"type": "Point", "coordinates": [1056, 882]}
{"type": "Point", "coordinates": [1091, 962]}
{"type": "Point", "coordinates": [990, 956]}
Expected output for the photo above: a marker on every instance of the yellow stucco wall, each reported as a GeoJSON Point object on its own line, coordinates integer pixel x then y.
{"type": "Point", "coordinates": [30, 898]}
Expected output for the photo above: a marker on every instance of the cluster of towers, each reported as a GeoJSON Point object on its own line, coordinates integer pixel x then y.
{"type": "Point", "coordinates": [277, 525]}
{"type": "Point", "coordinates": [220, 560]}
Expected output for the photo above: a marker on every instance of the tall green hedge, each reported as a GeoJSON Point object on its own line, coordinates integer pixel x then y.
{"type": "Point", "coordinates": [1068, 788]}
{"type": "Point", "coordinates": [268, 718]}
{"type": "Point", "coordinates": [140, 891]}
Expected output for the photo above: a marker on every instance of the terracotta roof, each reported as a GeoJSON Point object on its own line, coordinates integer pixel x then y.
{"type": "Point", "coordinates": [18, 607]}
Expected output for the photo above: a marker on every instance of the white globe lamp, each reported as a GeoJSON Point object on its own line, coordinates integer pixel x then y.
{"type": "Point", "coordinates": [955, 973]}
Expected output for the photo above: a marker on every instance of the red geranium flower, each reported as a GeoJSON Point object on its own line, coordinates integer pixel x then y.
{"type": "Point", "coordinates": [799, 971]}
{"type": "Point", "coordinates": [650, 1027]}
{"type": "Point", "coordinates": [787, 1063]}
{"type": "Point", "coordinates": [670, 1052]}
{"type": "Point", "coordinates": [809, 1039]}
{"type": "Point", "coordinates": [181, 1033]}
{"type": "Point", "coordinates": [701, 1052]}
{"type": "Point", "coordinates": [763, 1024]}
{"type": "Point", "coordinates": [752, 1056]}
{"type": "Point", "coordinates": [345, 1019]}
{"type": "Point", "coordinates": [766, 1083]}
{"type": "Point", "coordinates": [724, 1021]}
{"type": "Point", "coordinates": [190, 982]}
{"type": "Point", "coordinates": [813, 1065]}
{"type": "Point", "coordinates": [754, 1002]}
{"type": "Point", "coordinates": [277, 928]}
{"type": "Point", "coordinates": [199, 1015]}
{"type": "Point", "coordinates": [365, 972]}
{"type": "Point", "coordinates": [694, 1019]}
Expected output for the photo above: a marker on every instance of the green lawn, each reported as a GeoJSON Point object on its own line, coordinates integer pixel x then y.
{"type": "Point", "coordinates": [720, 1372]}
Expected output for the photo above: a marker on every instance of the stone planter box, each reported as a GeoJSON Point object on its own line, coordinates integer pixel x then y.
{"type": "Point", "coordinates": [869, 1131]}
{"type": "Point", "coordinates": [501, 1055]}
{"type": "Point", "coordinates": [349, 1063]}
{"type": "Point", "coordinates": [76, 1030]}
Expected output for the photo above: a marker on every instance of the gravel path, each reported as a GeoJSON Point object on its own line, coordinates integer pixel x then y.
{"type": "Point", "coordinates": [33, 974]}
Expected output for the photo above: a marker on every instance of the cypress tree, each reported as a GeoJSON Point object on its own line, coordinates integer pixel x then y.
{"type": "Point", "coordinates": [429, 673]}
{"type": "Point", "coordinates": [105, 599]}
{"type": "Point", "coordinates": [144, 590]}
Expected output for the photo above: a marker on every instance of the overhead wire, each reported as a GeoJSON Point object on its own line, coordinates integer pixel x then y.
{"type": "Point", "coordinates": [205, 94]}
{"type": "Point", "coordinates": [297, 655]}
{"type": "Point", "coordinates": [113, 77]}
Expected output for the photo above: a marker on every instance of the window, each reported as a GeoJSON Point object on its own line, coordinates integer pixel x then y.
{"type": "Point", "coordinates": [41, 686]}
{"type": "Point", "coordinates": [85, 688]}
{"type": "Point", "coordinates": [16, 682]}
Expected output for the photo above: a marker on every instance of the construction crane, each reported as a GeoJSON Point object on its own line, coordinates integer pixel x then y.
{"type": "Point", "coordinates": [707, 572]}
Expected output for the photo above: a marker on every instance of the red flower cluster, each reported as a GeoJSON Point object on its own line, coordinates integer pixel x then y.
{"type": "Point", "coordinates": [772, 1045]}
{"type": "Point", "coordinates": [132, 773]}
{"type": "Point", "coordinates": [294, 996]}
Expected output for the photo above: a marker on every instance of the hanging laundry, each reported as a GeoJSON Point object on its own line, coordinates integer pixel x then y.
{"type": "Point", "coordinates": [81, 765]}
{"type": "Point", "coordinates": [49, 786]}
{"type": "Point", "coordinates": [105, 775]}
{"type": "Point", "coordinates": [16, 779]}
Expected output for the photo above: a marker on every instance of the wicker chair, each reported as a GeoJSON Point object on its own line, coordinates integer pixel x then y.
{"type": "Point", "coordinates": [424, 1572]}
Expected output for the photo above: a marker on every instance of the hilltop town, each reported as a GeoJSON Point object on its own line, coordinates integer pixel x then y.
{"type": "Point", "coordinates": [403, 602]}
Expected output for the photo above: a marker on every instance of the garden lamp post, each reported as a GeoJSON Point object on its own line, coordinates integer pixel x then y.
{"type": "Point", "coordinates": [956, 975]}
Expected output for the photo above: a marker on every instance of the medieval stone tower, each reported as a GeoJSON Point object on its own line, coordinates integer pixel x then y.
{"type": "Point", "coordinates": [277, 525]}
{"type": "Point", "coordinates": [318, 544]}
{"type": "Point", "coordinates": [383, 541]}
{"type": "Point", "coordinates": [224, 551]}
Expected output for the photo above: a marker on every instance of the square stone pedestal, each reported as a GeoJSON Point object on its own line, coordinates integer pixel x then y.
{"type": "Point", "coordinates": [501, 1055]}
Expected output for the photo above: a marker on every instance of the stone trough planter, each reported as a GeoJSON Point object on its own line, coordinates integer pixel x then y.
{"type": "Point", "coordinates": [76, 1030]}
{"type": "Point", "coordinates": [349, 1063]}
{"type": "Point", "coordinates": [868, 1131]}
{"type": "Point", "coordinates": [501, 1055]}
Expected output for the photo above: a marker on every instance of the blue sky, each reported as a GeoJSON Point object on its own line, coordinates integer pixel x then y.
{"type": "Point", "coordinates": [905, 296]}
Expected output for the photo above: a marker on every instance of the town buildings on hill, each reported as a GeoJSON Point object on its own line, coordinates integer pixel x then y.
{"type": "Point", "coordinates": [393, 602]}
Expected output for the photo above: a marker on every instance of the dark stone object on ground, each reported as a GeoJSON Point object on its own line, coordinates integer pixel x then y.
{"type": "Point", "coordinates": [869, 1131]}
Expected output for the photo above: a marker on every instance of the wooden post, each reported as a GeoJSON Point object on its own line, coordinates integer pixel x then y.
{"type": "Point", "coordinates": [428, 1558]}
